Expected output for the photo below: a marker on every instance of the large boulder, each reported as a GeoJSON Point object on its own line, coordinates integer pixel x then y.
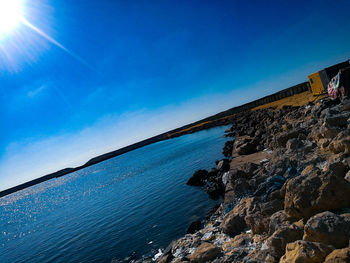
{"type": "Point", "coordinates": [305, 252]}
{"type": "Point", "coordinates": [258, 218]}
{"type": "Point", "coordinates": [339, 256]}
{"type": "Point", "coordinates": [234, 222]}
{"type": "Point", "coordinates": [204, 253]}
{"type": "Point", "coordinates": [280, 238]}
{"type": "Point", "coordinates": [328, 228]}
{"type": "Point", "coordinates": [313, 193]}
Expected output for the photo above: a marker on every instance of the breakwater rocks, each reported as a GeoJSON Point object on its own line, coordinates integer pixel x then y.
{"type": "Point", "coordinates": [285, 190]}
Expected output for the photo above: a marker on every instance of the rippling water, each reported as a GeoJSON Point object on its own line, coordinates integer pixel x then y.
{"type": "Point", "coordinates": [136, 202]}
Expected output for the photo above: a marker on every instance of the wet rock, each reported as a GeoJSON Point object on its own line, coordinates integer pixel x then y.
{"type": "Point", "coordinates": [339, 256]}
{"type": "Point", "coordinates": [204, 253]}
{"type": "Point", "coordinates": [306, 252]}
{"type": "Point", "coordinates": [310, 194]}
{"type": "Point", "coordinates": [213, 172]}
{"type": "Point", "coordinates": [227, 150]}
{"type": "Point", "coordinates": [194, 227]}
{"type": "Point", "coordinates": [328, 228]}
{"type": "Point", "coordinates": [214, 192]}
{"type": "Point", "coordinates": [198, 178]}
{"type": "Point", "coordinates": [223, 165]}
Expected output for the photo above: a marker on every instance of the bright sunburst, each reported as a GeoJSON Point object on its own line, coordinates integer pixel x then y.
{"type": "Point", "coordinates": [11, 13]}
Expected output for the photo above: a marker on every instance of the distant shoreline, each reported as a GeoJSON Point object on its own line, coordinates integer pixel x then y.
{"type": "Point", "coordinates": [220, 119]}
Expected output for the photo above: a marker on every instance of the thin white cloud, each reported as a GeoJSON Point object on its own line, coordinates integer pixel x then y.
{"type": "Point", "coordinates": [32, 93]}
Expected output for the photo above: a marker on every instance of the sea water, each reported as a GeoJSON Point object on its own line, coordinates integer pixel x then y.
{"type": "Point", "coordinates": [132, 204]}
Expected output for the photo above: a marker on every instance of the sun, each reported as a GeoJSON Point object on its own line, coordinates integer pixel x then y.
{"type": "Point", "coordinates": [11, 14]}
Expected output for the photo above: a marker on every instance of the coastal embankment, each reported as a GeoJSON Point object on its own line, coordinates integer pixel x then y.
{"type": "Point", "coordinates": [220, 119]}
{"type": "Point", "coordinates": [285, 187]}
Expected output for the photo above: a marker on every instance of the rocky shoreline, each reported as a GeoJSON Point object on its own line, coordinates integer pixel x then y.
{"type": "Point", "coordinates": [285, 188]}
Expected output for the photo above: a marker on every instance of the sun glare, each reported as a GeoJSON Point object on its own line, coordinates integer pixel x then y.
{"type": "Point", "coordinates": [10, 15]}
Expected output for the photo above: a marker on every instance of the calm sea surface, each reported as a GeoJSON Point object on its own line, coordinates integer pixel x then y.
{"type": "Point", "coordinates": [136, 202]}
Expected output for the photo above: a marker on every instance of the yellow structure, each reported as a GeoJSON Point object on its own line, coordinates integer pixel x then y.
{"type": "Point", "coordinates": [316, 84]}
{"type": "Point", "coordinates": [319, 80]}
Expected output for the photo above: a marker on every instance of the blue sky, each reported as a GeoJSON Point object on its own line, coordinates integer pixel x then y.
{"type": "Point", "coordinates": [128, 70]}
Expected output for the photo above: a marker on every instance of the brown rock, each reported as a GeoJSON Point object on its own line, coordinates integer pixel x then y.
{"type": "Point", "coordinates": [280, 238]}
{"type": "Point", "coordinates": [329, 131]}
{"type": "Point", "coordinates": [336, 167]}
{"type": "Point", "coordinates": [328, 228]}
{"type": "Point", "coordinates": [258, 218]}
{"type": "Point", "coordinates": [204, 253]}
{"type": "Point", "coordinates": [339, 256]}
{"type": "Point", "coordinates": [310, 194]}
{"type": "Point", "coordinates": [308, 169]}
{"type": "Point", "coordinates": [305, 252]}
{"type": "Point", "coordinates": [277, 220]}
{"type": "Point", "coordinates": [234, 223]}
{"type": "Point", "coordinates": [283, 137]}
{"type": "Point", "coordinates": [341, 143]}
{"type": "Point", "coordinates": [323, 143]}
